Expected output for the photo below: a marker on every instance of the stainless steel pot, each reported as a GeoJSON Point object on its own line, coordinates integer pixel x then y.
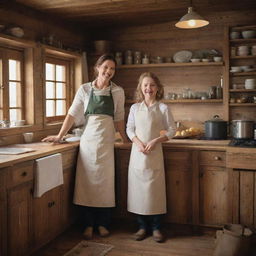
{"type": "Point", "coordinates": [242, 129]}
{"type": "Point", "coordinates": [216, 129]}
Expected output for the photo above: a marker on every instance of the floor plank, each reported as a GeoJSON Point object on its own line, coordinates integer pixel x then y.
{"type": "Point", "coordinates": [124, 244]}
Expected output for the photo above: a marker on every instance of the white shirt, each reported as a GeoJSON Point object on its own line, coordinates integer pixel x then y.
{"type": "Point", "coordinates": [82, 96]}
{"type": "Point", "coordinates": [167, 118]}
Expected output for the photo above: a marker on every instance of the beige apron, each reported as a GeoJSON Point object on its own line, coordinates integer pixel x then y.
{"type": "Point", "coordinates": [95, 164]}
{"type": "Point", "coordinates": [146, 177]}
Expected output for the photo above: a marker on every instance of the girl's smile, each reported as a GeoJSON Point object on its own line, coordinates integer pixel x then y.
{"type": "Point", "coordinates": [149, 88]}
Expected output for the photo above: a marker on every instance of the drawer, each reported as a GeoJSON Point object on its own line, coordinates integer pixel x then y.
{"type": "Point", "coordinates": [241, 160]}
{"type": "Point", "coordinates": [212, 158]}
{"type": "Point", "coordinates": [20, 173]}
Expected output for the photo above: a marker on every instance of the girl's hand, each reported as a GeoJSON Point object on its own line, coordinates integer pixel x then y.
{"type": "Point", "coordinates": [150, 146]}
{"type": "Point", "coordinates": [140, 146]}
{"type": "Point", "coordinates": [54, 139]}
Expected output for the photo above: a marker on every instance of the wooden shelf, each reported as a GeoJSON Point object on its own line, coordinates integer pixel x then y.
{"type": "Point", "coordinates": [241, 28]}
{"type": "Point", "coordinates": [242, 105]}
{"type": "Point", "coordinates": [244, 57]}
{"type": "Point", "coordinates": [243, 74]}
{"type": "Point", "coordinates": [167, 65]}
{"type": "Point", "coordinates": [242, 40]}
{"type": "Point", "coordinates": [242, 90]}
{"type": "Point", "coordinates": [183, 101]}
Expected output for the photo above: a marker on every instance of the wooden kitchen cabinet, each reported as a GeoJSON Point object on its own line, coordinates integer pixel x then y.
{"type": "Point", "coordinates": [3, 213]}
{"type": "Point", "coordinates": [178, 169]}
{"type": "Point", "coordinates": [214, 189]}
{"type": "Point", "coordinates": [122, 157]}
{"type": "Point", "coordinates": [19, 202]}
{"type": "Point", "coordinates": [46, 217]}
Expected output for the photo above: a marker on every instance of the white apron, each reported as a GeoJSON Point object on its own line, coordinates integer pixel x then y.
{"type": "Point", "coordinates": [146, 176]}
{"type": "Point", "coordinates": [95, 164]}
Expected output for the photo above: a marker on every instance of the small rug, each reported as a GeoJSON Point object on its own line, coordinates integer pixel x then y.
{"type": "Point", "coordinates": [85, 248]}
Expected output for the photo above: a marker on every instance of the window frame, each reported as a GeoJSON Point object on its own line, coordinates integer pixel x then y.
{"type": "Point", "coordinates": [68, 63]}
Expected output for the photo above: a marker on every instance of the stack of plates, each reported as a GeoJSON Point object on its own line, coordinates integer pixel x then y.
{"type": "Point", "coordinates": [182, 56]}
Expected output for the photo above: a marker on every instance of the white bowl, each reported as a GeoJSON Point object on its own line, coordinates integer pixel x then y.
{"type": "Point", "coordinates": [17, 31]}
{"type": "Point", "coordinates": [195, 60]}
{"type": "Point", "coordinates": [249, 34]}
{"type": "Point", "coordinates": [234, 35]}
{"type": "Point", "coordinates": [236, 69]}
{"type": "Point", "coordinates": [206, 60]}
{"type": "Point", "coordinates": [217, 59]}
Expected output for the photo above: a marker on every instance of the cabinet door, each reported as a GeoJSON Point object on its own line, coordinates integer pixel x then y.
{"type": "Point", "coordinates": [46, 216]}
{"type": "Point", "coordinates": [213, 196]}
{"type": "Point", "coordinates": [178, 168]}
{"type": "Point", "coordinates": [19, 213]}
{"type": "Point", "coordinates": [3, 212]}
{"type": "Point", "coordinates": [121, 186]}
{"type": "Point", "coordinates": [68, 211]}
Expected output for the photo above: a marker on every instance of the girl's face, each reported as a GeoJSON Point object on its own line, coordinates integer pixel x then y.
{"type": "Point", "coordinates": [149, 88]}
{"type": "Point", "coordinates": [106, 70]}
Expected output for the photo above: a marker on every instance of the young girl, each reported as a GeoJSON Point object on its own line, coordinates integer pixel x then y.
{"type": "Point", "coordinates": [146, 177]}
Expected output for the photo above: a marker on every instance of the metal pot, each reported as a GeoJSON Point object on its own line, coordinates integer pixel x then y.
{"type": "Point", "coordinates": [216, 129]}
{"type": "Point", "coordinates": [242, 129]}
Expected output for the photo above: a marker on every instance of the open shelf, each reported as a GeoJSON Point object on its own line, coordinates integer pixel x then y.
{"type": "Point", "coordinates": [183, 101]}
{"type": "Point", "coordinates": [242, 104]}
{"type": "Point", "coordinates": [242, 90]}
{"type": "Point", "coordinates": [162, 65]}
{"type": "Point", "coordinates": [243, 57]}
{"type": "Point", "coordinates": [243, 40]}
{"type": "Point", "coordinates": [243, 74]}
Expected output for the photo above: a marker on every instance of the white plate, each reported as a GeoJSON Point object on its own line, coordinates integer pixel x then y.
{"type": "Point", "coordinates": [72, 139]}
{"type": "Point", "coordinates": [182, 56]}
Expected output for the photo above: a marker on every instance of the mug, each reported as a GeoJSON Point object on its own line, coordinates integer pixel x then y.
{"type": "Point", "coordinates": [28, 137]}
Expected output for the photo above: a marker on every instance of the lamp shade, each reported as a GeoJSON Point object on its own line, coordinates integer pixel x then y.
{"type": "Point", "coordinates": [191, 20]}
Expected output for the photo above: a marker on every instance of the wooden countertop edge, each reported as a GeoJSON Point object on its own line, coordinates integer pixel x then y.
{"type": "Point", "coordinates": [44, 149]}
{"type": "Point", "coordinates": [41, 150]}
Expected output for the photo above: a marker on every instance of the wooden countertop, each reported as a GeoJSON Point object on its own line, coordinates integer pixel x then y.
{"type": "Point", "coordinates": [41, 149]}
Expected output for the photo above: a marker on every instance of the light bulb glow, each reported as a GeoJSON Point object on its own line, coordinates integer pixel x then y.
{"type": "Point", "coordinates": [191, 23]}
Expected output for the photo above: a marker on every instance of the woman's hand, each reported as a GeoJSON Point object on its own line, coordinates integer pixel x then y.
{"type": "Point", "coordinates": [54, 139]}
{"type": "Point", "coordinates": [150, 146]}
{"type": "Point", "coordinates": [139, 144]}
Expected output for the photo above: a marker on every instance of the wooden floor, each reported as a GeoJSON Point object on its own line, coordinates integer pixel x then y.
{"type": "Point", "coordinates": [124, 245]}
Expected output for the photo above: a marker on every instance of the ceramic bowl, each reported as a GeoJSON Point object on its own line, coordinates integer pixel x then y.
{"type": "Point", "coordinates": [195, 60]}
{"type": "Point", "coordinates": [16, 31]}
{"type": "Point", "coordinates": [206, 60]}
{"type": "Point", "coordinates": [217, 59]}
{"type": "Point", "coordinates": [247, 34]}
{"type": "Point", "coordinates": [234, 35]}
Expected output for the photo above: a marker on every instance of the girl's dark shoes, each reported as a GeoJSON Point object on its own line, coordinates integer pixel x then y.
{"type": "Point", "coordinates": [103, 231]}
{"type": "Point", "coordinates": [158, 236]}
{"type": "Point", "coordinates": [88, 233]}
{"type": "Point", "coordinates": [140, 234]}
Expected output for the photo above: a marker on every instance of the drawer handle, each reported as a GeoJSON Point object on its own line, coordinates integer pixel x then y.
{"type": "Point", "coordinates": [24, 174]}
{"type": "Point", "coordinates": [217, 158]}
{"type": "Point", "coordinates": [51, 204]}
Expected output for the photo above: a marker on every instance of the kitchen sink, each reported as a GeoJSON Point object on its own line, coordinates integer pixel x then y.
{"type": "Point", "coordinates": [14, 151]}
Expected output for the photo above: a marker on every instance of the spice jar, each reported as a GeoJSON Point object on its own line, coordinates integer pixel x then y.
{"type": "Point", "coordinates": [119, 58]}
{"type": "Point", "coordinates": [137, 57]}
{"type": "Point", "coordinates": [128, 57]}
{"type": "Point", "coordinates": [145, 59]}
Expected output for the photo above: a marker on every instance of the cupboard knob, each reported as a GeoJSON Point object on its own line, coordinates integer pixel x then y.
{"type": "Point", "coordinates": [217, 158]}
{"type": "Point", "coordinates": [24, 174]}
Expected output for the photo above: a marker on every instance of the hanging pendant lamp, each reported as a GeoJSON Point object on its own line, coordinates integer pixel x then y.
{"type": "Point", "coordinates": [191, 20]}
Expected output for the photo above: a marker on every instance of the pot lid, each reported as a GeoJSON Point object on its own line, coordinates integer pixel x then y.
{"type": "Point", "coordinates": [216, 118]}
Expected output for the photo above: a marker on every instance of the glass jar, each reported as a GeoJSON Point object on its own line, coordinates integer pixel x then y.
{"type": "Point", "coordinates": [137, 57]}
{"type": "Point", "coordinates": [128, 57]}
{"type": "Point", "coordinates": [145, 59]}
{"type": "Point", "coordinates": [212, 92]}
{"type": "Point", "coordinates": [119, 58]}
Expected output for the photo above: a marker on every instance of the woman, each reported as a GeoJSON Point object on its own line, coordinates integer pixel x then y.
{"type": "Point", "coordinates": [102, 103]}
{"type": "Point", "coordinates": [146, 177]}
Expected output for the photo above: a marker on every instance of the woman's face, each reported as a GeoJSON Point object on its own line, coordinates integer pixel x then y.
{"type": "Point", "coordinates": [149, 88]}
{"type": "Point", "coordinates": [106, 70]}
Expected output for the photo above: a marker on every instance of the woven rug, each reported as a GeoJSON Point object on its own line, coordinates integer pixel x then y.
{"type": "Point", "coordinates": [85, 248]}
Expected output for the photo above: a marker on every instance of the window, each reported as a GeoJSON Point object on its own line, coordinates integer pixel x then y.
{"type": "Point", "coordinates": [11, 85]}
{"type": "Point", "coordinates": [57, 88]}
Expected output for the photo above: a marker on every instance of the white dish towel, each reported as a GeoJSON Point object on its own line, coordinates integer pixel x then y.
{"type": "Point", "coordinates": [48, 174]}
